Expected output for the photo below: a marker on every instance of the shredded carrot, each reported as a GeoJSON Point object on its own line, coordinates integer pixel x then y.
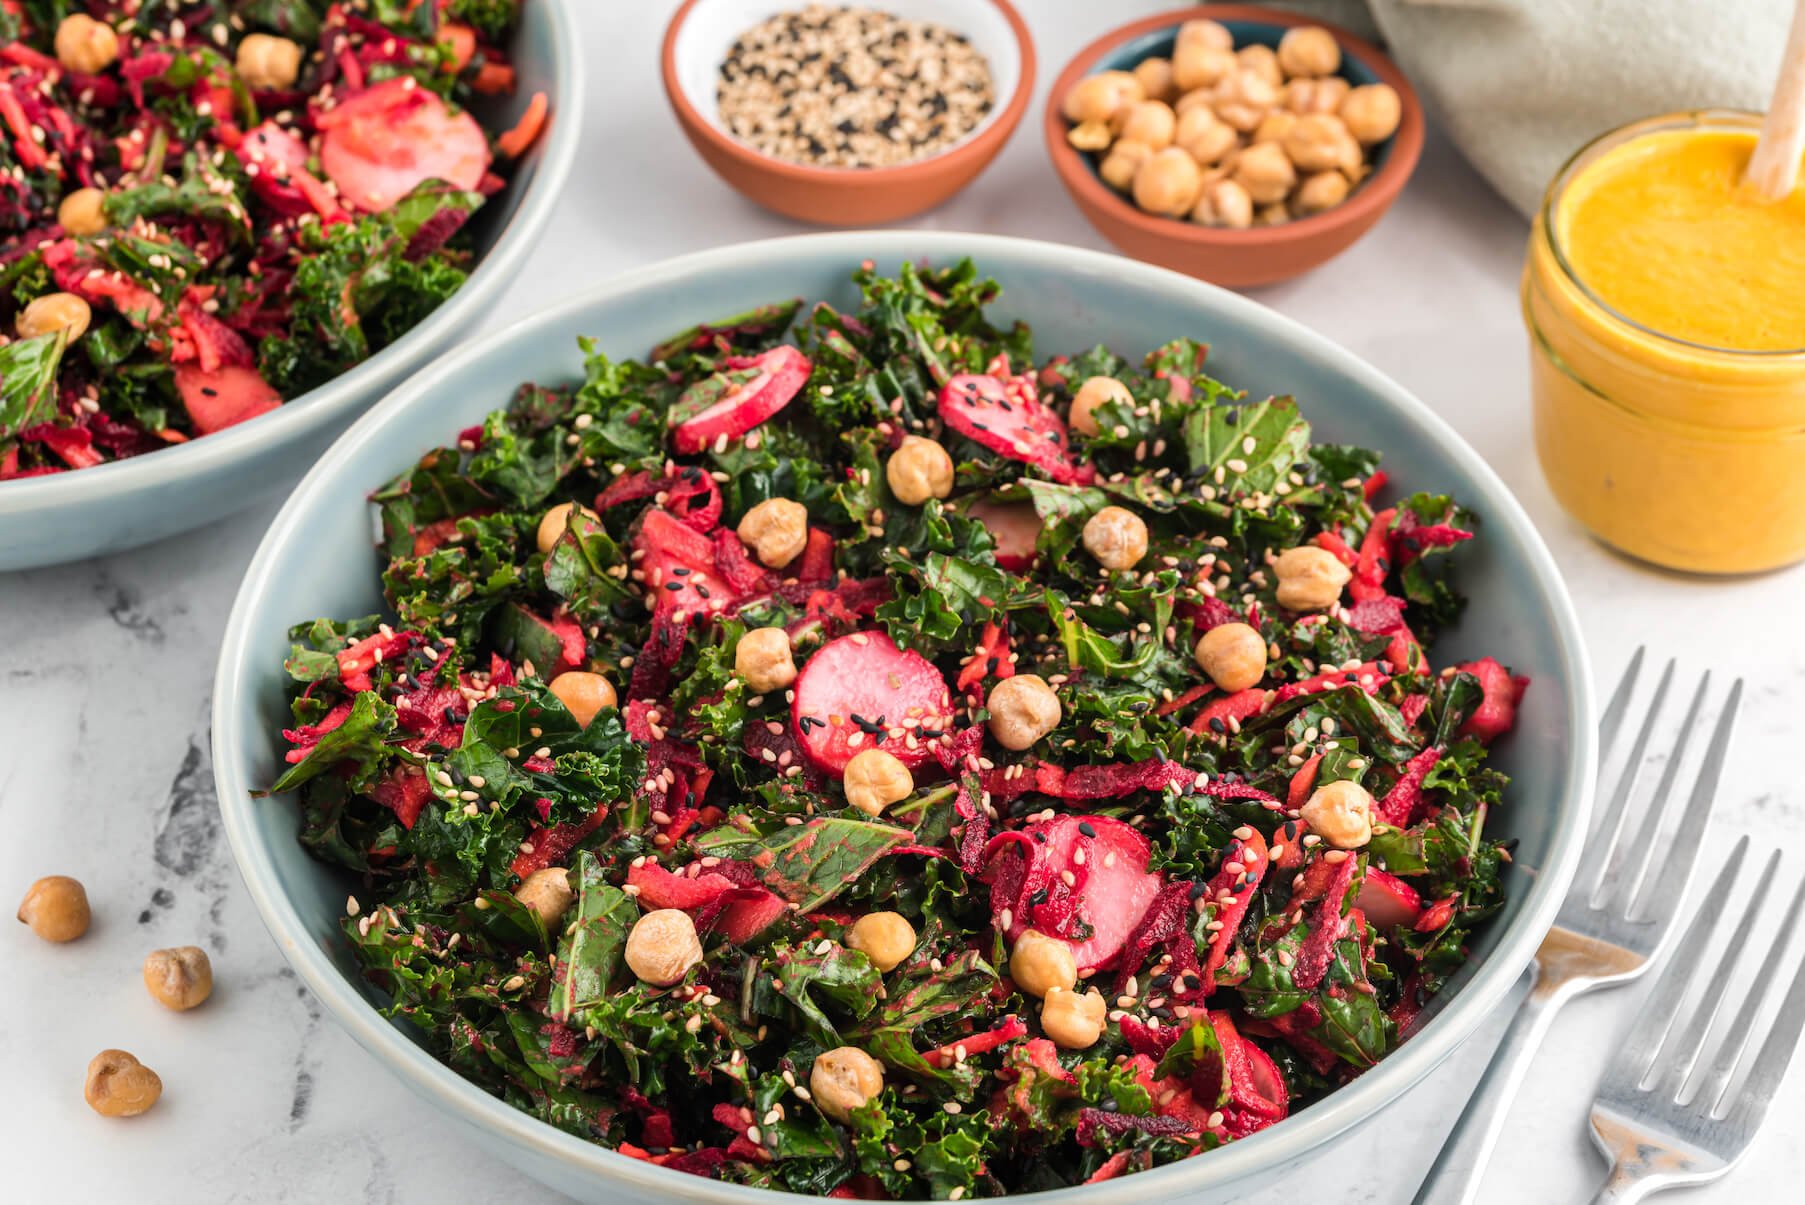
{"type": "Point", "coordinates": [30, 153]}
{"type": "Point", "coordinates": [170, 435]}
{"type": "Point", "coordinates": [493, 79]}
{"type": "Point", "coordinates": [462, 41]}
{"type": "Point", "coordinates": [514, 143]}
{"type": "Point", "coordinates": [25, 56]}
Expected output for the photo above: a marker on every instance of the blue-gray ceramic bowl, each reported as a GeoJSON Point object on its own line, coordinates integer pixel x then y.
{"type": "Point", "coordinates": [111, 507]}
{"type": "Point", "coordinates": [318, 560]}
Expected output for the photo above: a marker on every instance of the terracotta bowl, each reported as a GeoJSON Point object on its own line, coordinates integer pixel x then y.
{"type": "Point", "coordinates": [697, 41]}
{"type": "Point", "coordinates": [1239, 258]}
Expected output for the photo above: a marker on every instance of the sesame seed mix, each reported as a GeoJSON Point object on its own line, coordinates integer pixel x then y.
{"type": "Point", "coordinates": [852, 87]}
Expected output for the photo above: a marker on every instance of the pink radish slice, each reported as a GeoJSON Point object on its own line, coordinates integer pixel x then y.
{"type": "Point", "coordinates": [1388, 901]}
{"type": "Point", "coordinates": [382, 143]}
{"type": "Point", "coordinates": [1111, 887]}
{"type": "Point", "coordinates": [1014, 528]}
{"type": "Point", "coordinates": [228, 395]}
{"type": "Point", "coordinates": [679, 566]}
{"type": "Point", "coordinates": [731, 403]}
{"type": "Point", "coordinates": [863, 692]}
{"type": "Point", "coordinates": [1006, 415]}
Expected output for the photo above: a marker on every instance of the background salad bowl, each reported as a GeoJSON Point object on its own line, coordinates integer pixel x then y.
{"type": "Point", "coordinates": [317, 559]}
{"type": "Point", "coordinates": [122, 504]}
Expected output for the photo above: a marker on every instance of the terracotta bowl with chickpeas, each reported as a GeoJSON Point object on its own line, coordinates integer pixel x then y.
{"type": "Point", "coordinates": [1236, 144]}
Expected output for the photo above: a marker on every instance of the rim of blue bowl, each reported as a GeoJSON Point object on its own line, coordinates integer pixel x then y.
{"type": "Point", "coordinates": [235, 712]}
{"type": "Point", "coordinates": [118, 480]}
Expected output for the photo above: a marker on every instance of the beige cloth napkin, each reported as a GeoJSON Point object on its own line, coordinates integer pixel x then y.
{"type": "Point", "coordinates": [1519, 85]}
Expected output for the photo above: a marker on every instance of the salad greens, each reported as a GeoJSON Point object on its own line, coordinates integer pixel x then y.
{"type": "Point", "coordinates": [210, 206]}
{"type": "Point", "coordinates": [564, 728]}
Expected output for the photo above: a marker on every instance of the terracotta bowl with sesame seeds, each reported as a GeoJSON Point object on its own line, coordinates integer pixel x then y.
{"type": "Point", "coordinates": [318, 558]}
{"type": "Point", "coordinates": [1238, 258]}
{"type": "Point", "coordinates": [838, 150]}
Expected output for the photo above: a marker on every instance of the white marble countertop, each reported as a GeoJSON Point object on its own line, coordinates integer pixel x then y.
{"type": "Point", "coordinates": [106, 667]}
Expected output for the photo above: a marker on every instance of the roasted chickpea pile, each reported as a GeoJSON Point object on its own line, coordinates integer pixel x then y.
{"type": "Point", "coordinates": [1233, 137]}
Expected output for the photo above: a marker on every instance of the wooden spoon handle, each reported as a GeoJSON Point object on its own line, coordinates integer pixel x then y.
{"type": "Point", "coordinates": [1774, 167]}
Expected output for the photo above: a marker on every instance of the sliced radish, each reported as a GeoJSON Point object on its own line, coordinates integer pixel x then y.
{"type": "Point", "coordinates": [731, 403]}
{"type": "Point", "coordinates": [863, 692]}
{"type": "Point", "coordinates": [1497, 715]}
{"type": "Point", "coordinates": [1007, 416]}
{"type": "Point", "coordinates": [225, 397]}
{"type": "Point", "coordinates": [382, 143]}
{"type": "Point", "coordinates": [1098, 909]}
{"type": "Point", "coordinates": [1014, 528]}
{"type": "Point", "coordinates": [1388, 901]}
{"type": "Point", "coordinates": [679, 566]}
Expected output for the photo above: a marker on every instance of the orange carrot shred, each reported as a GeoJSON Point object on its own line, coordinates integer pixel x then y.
{"type": "Point", "coordinates": [514, 143]}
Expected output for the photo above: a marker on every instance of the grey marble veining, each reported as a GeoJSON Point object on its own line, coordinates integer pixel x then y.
{"type": "Point", "coordinates": [105, 671]}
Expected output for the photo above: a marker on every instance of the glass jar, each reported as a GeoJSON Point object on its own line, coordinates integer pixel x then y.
{"type": "Point", "coordinates": [1688, 456]}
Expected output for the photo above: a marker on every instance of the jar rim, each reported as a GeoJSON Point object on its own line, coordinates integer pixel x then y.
{"type": "Point", "coordinates": [1686, 119]}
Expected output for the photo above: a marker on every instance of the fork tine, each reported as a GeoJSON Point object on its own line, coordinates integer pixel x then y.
{"type": "Point", "coordinates": [1646, 1036]}
{"type": "Point", "coordinates": [1776, 1052]}
{"type": "Point", "coordinates": [1661, 895]}
{"type": "Point", "coordinates": [1620, 701]}
{"type": "Point", "coordinates": [1605, 835]}
{"type": "Point", "coordinates": [1627, 864]}
{"type": "Point", "coordinates": [1682, 1054]}
{"type": "Point", "coordinates": [1729, 1055]}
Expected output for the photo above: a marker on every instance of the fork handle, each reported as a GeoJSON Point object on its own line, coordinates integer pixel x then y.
{"type": "Point", "coordinates": [1454, 1177]}
{"type": "Point", "coordinates": [1626, 1187]}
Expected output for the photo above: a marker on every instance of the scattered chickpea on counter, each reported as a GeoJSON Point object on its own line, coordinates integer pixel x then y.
{"type": "Point", "coordinates": [118, 1085]}
{"type": "Point", "coordinates": [1233, 138]}
{"type": "Point", "coordinates": [56, 908]}
{"type": "Point", "coordinates": [179, 979]}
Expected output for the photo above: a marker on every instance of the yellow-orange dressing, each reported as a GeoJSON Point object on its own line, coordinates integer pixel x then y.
{"type": "Point", "coordinates": [1666, 310]}
{"type": "Point", "coordinates": [1664, 232]}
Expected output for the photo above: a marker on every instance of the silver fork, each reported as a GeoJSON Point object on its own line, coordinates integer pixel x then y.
{"type": "Point", "coordinates": [1657, 1134]}
{"type": "Point", "coordinates": [1610, 925]}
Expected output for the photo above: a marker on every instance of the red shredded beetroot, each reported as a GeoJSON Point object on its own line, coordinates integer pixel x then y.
{"type": "Point", "coordinates": [1403, 805]}
{"type": "Point", "coordinates": [1007, 1030]}
{"type": "Point", "coordinates": [1328, 923]}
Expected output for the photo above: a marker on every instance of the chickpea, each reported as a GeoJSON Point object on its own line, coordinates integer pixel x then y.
{"type": "Point", "coordinates": [1243, 99]}
{"type": "Point", "coordinates": [178, 979]}
{"type": "Point", "coordinates": [1204, 136]}
{"type": "Point", "coordinates": [1274, 126]}
{"type": "Point", "coordinates": [886, 938]}
{"type": "Point", "coordinates": [1040, 964]}
{"type": "Point", "coordinates": [776, 530]}
{"type": "Point", "coordinates": [1022, 710]}
{"type": "Point", "coordinates": [1273, 214]}
{"type": "Point", "coordinates": [82, 212]}
{"type": "Point", "coordinates": [1265, 172]}
{"type": "Point", "coordinates": [267, 63]}
{"type": "Point", "coordinates": [663, 946]}
{"type": "Point", "coordinates": [1090, 136]}
{"type": "Point", "coordinates": [1096, 391]}
{"type": "Point", "coordinates": [1097, 97]}
{"type": "Point", "coordinates": [1318, 192]}
{"type": "Point", "coordinates": [1315, 95]}
{"type": "Point", "coordinates": [1148, 121]}
{"type": "Point", "coordinates": [1116, 537]}
{"type": "Point", "coordinates": [1372, 112]}
{"type": "Point", "coordinates": [553, 523]}
{"type": "Point", "coordinates": [1341, 813]}
{"type": "Point", "coordinates": [764, 661]}
{"type": "Point", "coordinates": [844, 1079]}
{"type": "Point", "coordinates": [85, 45]}
{"type": "Point", "coordinates": [56, 908]}
{"type": "Point", "coordinates": [118, 1085]}
{"type": "Point", "coordinates": [875, 779]}
{"type": "Point", "coordinates": [1224, 203]}
{"type": "Point", "coordinates": [1318, 142]}
{"type": "Point", "coordinates": [1168, 183]}
{"type": "Point", "coordinates": [1233, 655]}
{"type": "Point", "coordinates": [1123, 161]}
{"type": "Point", "coordinates": [1263, 61]}
{"type": "Point", "coordinates": [54, 312]}
{"type": "Point", "coordinates": [583, 694]}
{"type": "Point", "coordinates": [1310, 578]}
{"type": "Point", "coordinates": [1155, 76]}
{"type": "Point", "coordinates": [919, 470]}
{"type": "Point", "coordinates": [1195, 67]}
{"type": "Point", "coordinates": [1309, 50]}
{"type": "Point", "coordinates": [1206, 34]}
{"type": "Point", "coordinates": [547, 892]}
{"type": "Point", "coordinates": [1073, 1021]}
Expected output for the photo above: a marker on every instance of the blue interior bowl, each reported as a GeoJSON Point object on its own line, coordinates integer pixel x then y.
{"type": "Point", "coordinates": [1160, 42]}
{"type": "Point", "coordinates": [122, 504]}
{"type": "Point", "coordinates": [318, 559]}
